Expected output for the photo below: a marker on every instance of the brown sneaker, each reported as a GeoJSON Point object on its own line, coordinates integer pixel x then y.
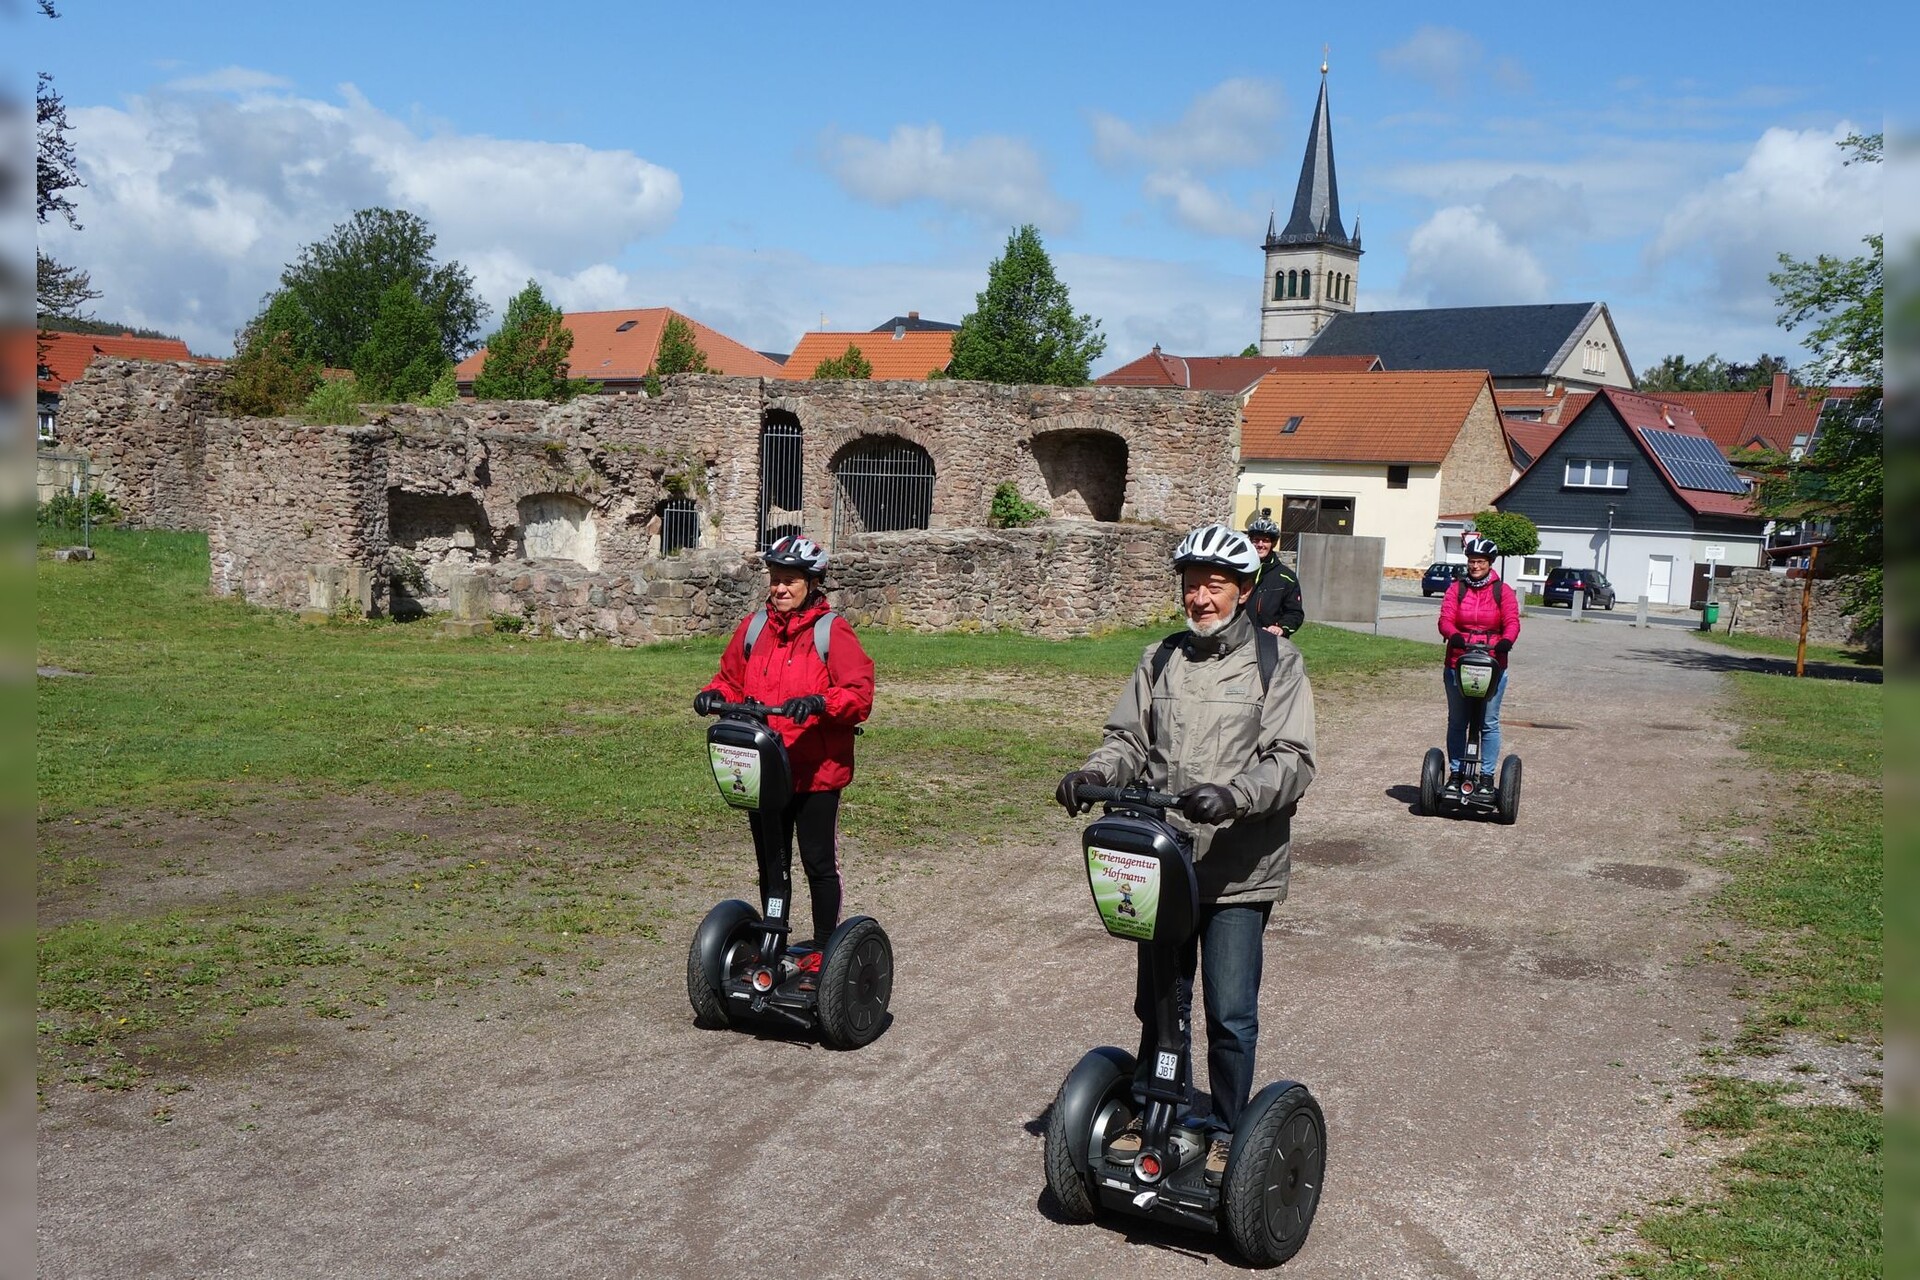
{"type": "Point", "coordinates": [1217, 1152]}
{"type": "Point", "coordinates": [1126, 1144]}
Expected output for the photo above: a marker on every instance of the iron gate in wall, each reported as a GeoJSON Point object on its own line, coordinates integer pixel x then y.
{"type": "Point", "coordinates": [679, 525]}
{"type": "Point", "coordinates": [781, 478]}
{"type": "Point", "coordinates": [880, 486]}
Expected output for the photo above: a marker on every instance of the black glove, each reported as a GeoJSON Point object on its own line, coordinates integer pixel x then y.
{"type": "Point", "coordinates": [1067, 795]}
{"type": "Point", "coordinates": [707, 701]}
{"type": "Point", "coordinates": [1208, 803]}
{"type": "Point", "coordinates": [804, 708]}
{"type": "Point", "coordinates": [1503, 646]}
{"type": "Point", "coordinates": [1456, 641]}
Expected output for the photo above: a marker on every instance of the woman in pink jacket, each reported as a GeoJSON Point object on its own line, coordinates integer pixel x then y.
{"type": "Point", "coordinates": [1478, 607]}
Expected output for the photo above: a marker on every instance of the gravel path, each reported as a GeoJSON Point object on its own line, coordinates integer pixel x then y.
{"type": "Point", "coordinates": [1497, 1021]}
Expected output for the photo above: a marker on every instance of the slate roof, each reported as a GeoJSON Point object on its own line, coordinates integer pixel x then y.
{"type": "Point", "coordinates": [910, 356]}
{"type": "Point", "coordinates": [619, 346]}
{"type": "Point", "coordinates": [1315, 218]}
{"type": "Point", "coordinates": [912, 323]}
{"type": "Point", "coordinates": [1645, 411]}
{"type": "Point", "coordinates": [1508, 342]}
{"type": "Point", "coordinates": [1223, 373]}
{"type": "Point", "coordinates": [65, 356]}
{"type": "Point", "coordinates": [1389, 416]}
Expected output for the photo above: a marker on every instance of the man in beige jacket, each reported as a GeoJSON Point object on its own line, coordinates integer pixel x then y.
{"type": "Point", "coordinates": [1222, 716]}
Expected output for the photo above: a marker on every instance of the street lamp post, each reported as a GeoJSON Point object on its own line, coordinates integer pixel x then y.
{"type": "Point", "coordinates": [1607, 551]}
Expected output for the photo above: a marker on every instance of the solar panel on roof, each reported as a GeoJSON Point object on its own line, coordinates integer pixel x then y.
{"type": "Point", "coordinates": [1693, 461]}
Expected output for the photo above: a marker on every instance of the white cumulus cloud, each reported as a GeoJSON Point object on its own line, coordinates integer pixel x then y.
{"type": "Point", "coordinates": [1449, 59]}
{"type": "Point", "coordinates": [1233, 125]}
{"type": "Point", "coordinates": [991, 176]}
{"type": "Point", "coordinates": [199, 192]}
{"type": "Point", "coordinates": [1460, 257]}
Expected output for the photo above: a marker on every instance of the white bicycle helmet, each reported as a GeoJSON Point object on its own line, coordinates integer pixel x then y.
{"type": "Point", "coordinates": [1475, 544]}
{"type": "Point", "coordinates": [1219, 546]}
{"type": "Point", "coordinates": [800, 553]}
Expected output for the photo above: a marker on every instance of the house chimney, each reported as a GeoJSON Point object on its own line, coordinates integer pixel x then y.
{"type": "Point", "coordinates": [913, 315]}
{"type": "Point", "coordinates": [1777, 399]}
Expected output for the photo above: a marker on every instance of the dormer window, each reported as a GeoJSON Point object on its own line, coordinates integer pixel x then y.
{"type": "Point", "coordinates": [626, 325]}
{"type": "Point", "coordinates": [1293, 425]}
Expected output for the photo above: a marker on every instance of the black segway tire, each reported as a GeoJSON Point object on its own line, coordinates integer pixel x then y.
{"type": "Point", "coordinates": [725, 925]}
{"type": "Point", "coordinates": [1433, 780]}
{"type": "Point", "coordinates": [1274, 1173]}
{"type": "Point", "coordinates": [856, 981]}
{"type": "Point", "coordinates": [1094, 1103]}
{"type": "Point", "coordinates": [1508, 791]}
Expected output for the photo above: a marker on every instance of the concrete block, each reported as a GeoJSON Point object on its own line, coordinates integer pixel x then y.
{"type": "Point", "coordinates": [467, 598]}
{"type": "Point", "coordinates": [463, 627]}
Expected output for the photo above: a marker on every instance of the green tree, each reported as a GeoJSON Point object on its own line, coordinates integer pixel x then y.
{"type": "Point", "coordinates": [679, 352]}
{"type": "Point", "coordinates": [1842, 477]}
{"type": "Point", "coordinates": [849, 364]}
{"type": "Point", "coordinates": [401, 354]}
{"type": "Point", "coordinates": [1251, 349]}
{"type": "Point", "coordinates": [58, 290]}
{"type": "Point", "coordinates": [340, 283]}
{"type": "Point", "coordinates": [1674, 373]}
{"type": "Point", "coordinates": [1022, 327]}
{"type": "Point", "coordinates": [1512, 532]}
{"type": "Point", "coordinates": [273, 369]}
{"type": "Point", "coordinates": [527, 356]}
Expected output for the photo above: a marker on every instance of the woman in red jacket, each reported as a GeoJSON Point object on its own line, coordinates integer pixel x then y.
{"type": "Point", "coordinates": [1483, 608]}
{"type": "Point", "coordinates": [828, 689]}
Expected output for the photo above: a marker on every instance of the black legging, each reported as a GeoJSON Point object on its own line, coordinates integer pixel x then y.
{"type": "Point", "coordinates": [811, 816]}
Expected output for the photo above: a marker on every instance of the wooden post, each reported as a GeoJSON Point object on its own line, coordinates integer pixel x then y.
{"type": "Point", "coordinates": [1806, 612]}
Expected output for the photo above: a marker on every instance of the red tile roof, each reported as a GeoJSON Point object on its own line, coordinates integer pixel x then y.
{"type": "Point", "coordinates": [66, 356]}
{"type": "Point", "coordinates": [1662, 415]}
{"type": "Point", "coordinates": [1773, 417]}
{"type": "Point", "coordinates": [1411, 416]}
{"type": "Point", "coordinates": [619, 346]}
{"type": "Point", "coordinates": [1224, 373]}
{"type": "Point", "coordinates": [1552, 408]}
{"type": "Point", "coordinates": [908, 356]}
{"type": "Point", "coordinates": [1533, 438]}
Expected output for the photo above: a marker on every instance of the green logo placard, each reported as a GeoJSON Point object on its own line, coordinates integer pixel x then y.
{"type": "Point", "coordinates": [1126, 891]}
{"type": "Point", "coordinates": [737, 771]}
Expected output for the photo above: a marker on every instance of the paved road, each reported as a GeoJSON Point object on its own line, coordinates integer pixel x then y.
{"type": "Point", "coordinates": [1496, 1020]}
{"type": "Point", "coordinates": [1403, 603]}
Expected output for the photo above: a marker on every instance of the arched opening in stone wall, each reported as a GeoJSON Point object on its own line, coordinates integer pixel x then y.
{"type": "Point", "coordinates": [782, 487]}
{"type": "Point", "coordinates": [679, 525]}
{"type": "Point", "coordinates": [881, 483]}
{"type": "Point", "coordinates": [559, 526]}
{"type": "Point", "coordinates": [426, 533]}
{"type": "Point", "coordinates": [1085, 471]}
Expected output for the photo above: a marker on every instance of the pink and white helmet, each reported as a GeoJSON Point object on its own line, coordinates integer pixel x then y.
{"type": "Point", "coordinates": [795, 552]}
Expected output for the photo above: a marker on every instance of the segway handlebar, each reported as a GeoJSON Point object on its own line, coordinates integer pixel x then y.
{"type": "Point", "coordinates": [751, 707]}
{"type": "Point", "coordinates": [1129, 795]}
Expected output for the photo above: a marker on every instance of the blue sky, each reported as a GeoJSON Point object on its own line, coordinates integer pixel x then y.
{"type": "Point", "coordinates": [763, 167]}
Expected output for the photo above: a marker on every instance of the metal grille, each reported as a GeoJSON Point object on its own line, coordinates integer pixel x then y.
{"type": "Point", "coordinates": [781, 478]}
{"type": "Point", "coordinates": [679, 525]}
{"type": "Point", "coordinates": [887, 485]}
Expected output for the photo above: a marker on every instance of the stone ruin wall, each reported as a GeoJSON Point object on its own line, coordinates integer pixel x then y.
{"type": "Point", "coordinates": [1763, 603]}
{"type": "Point", "coordinates": [555, 510]}
{"type": "Point", "coordinates": [142, 426]}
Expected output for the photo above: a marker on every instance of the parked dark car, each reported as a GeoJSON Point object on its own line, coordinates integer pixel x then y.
{"type": "Point", "coordinates": [1439, 576]}
{"type": "Point", "coordinates": [1562, 583]}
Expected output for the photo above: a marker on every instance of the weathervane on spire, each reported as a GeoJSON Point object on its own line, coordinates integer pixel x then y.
{"type": "Point", "coordinates": [1325, 49]}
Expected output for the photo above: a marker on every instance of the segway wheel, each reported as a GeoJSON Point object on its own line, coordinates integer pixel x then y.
{"type": "Point", "coordinates": [856, 981]}
{"type": "Point", "coordinates": [1509, 790]}
{"type": "Point", "coordinates": [1433, 780]}
{"type": "Point", "coordinates": [725, 927]}
{"type": "Point", "coordinates": [1274, 1174]}
{"type": "Point", "coordinates": [1095, 1102]}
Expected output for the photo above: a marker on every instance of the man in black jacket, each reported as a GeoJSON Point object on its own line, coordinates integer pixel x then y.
{"type": "Point", "coordinates": [1276, 590]}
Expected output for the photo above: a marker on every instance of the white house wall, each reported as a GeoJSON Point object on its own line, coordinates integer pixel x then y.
{"type": "Point", "coordinates": [1404, 517]}
{"type": "Point", "coordinates": [1627, 557]}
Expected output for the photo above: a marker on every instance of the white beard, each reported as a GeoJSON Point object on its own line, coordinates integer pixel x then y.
{"type": "Point", "coordinates": [1214, 628]}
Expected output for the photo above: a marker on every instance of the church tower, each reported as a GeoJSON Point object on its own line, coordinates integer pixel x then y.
{"type": "Point", "coordinates": [1313, 266]}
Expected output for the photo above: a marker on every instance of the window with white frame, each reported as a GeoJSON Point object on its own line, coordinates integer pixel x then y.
{"type": "Point", "coordinates": [1595, 473]}
{"type": "Point", "coordinates": [1536, 568]}
{"type": "Point", "coordinates": [1593, 356]}
{"type": "Point", "coordinates": [46, 425]}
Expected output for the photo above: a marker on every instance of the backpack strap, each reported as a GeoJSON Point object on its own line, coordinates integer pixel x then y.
{"type": "Point", "coordinates": [755, 626]}
{"type": "Point", "coordinates": [1162, 656]}
{"type": "Point", "coordinates": [822, 633]}
{"type": "Point", "coordinates": [1266, 648]}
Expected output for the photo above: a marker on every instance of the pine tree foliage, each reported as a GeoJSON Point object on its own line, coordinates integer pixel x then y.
{"type": "Point", "coordinates": [1023, 328]}
{"type": "Point", "coordinates": [679, 352]}
{"type": "Point", "coordinates": [848, 364]}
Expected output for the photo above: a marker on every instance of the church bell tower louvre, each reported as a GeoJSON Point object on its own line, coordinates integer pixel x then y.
{"type": "Point", "coordinates": [1312, 264]}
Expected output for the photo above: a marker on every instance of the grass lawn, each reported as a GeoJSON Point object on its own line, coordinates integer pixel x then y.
{"type": "Point", "coordinates": [1770, 647]}
{"type": "Point", "coordinates": [1803, 1199]}
{"type": "Point", "coordinates": [578, 766]}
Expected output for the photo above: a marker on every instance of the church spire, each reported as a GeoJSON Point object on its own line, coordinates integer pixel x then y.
{"type": "Point", "coordinates": [1316, 202]}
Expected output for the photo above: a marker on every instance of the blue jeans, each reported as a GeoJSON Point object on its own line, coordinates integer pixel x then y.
{"type": "Point", "coordinates": [1229, 946]}
{"type": "Point", "coordinates": [1457, 712]}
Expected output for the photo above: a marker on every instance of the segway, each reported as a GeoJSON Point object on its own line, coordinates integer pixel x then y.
{"type": "Point", "coordinates": [1266, 1201]}
{"type": "Point", "coordinates": [740, 970]}
{"type": "Point", "coordinates": [1441, 794]}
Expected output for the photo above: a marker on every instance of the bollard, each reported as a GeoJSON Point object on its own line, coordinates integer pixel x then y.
{"type": "Point", "coordinates": [1640, 613]}
{"type": "Point", "coordinates": [1579, 602]}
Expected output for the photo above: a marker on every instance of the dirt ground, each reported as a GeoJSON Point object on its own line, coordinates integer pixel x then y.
{"type": "Point", "coordinates": [1496, 1020]}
